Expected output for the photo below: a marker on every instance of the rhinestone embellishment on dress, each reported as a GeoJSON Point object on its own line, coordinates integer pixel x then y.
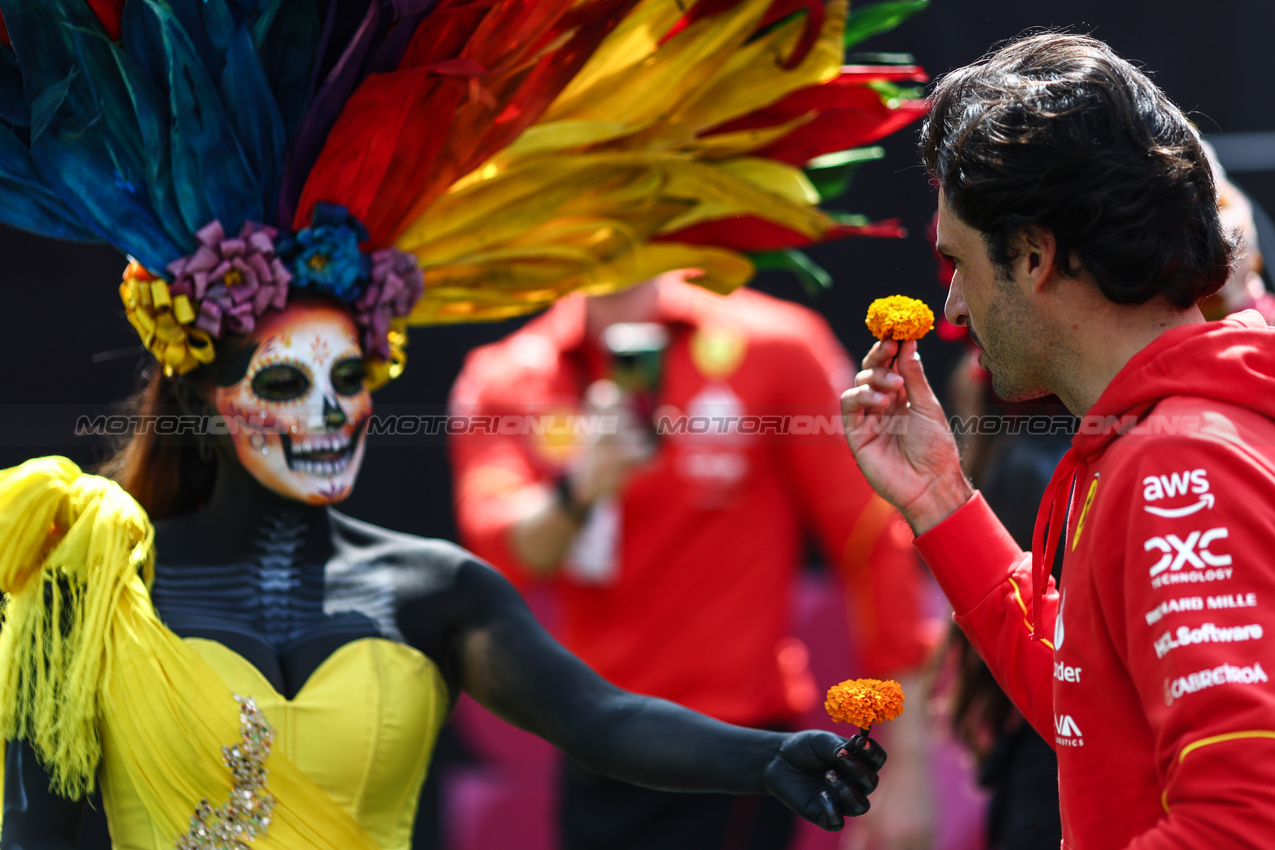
{"type": "Point", "coordinates": [247, 814]}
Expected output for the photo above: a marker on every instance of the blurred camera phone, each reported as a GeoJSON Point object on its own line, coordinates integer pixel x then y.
{"type": "Point", "coordinates": [637, 363]}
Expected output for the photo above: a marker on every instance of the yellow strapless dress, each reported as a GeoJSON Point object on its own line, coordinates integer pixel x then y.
{"type": "Point", "coordinates": [361, 728]}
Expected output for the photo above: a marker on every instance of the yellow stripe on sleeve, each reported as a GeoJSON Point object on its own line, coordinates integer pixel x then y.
{"type": "Point", "coordinates": [1215, 739]}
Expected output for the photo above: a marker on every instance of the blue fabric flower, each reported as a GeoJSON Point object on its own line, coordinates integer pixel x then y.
{"type": "Point", "coordinates": [325, 256]}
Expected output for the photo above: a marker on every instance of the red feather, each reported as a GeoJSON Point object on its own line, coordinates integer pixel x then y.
{"type": "Point", "coordinates": [520, 88]}
{"type": "Point", "coordinates": [815, 15]}
{"type": "Point", "coordinates": [700, 11]}
{"type": "Point", "coordinates": [4, 33]}
{"type": "Point", "coordinates": [847, 90]}
{"type": "Point", "coordinates": [356, 164]}
{"type": "Point", "coordinates": [469, 83]}
{"type": "Point", "coordinates": [842, 129]}
{"type": "Point", "coordinates": [749, 234]}
{"type": "Point", "coordinates": [845, 113]}
{"type": "Point", "coordinates": [779, 9]}
{"type": "Point", "coordinates": [109, 12]}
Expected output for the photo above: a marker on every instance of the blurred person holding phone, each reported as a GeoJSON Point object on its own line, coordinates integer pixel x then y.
{"type": "Point", "coordinates": [669, 507]}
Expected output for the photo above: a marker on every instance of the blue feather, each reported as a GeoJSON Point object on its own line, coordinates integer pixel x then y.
{"type": "Point", "coordinates": [46, 104]}
{"type": "Point", "coordinates": [151, 110]}
{"type": "Point", "coordinates": [143, 42]}
{"type": "Point", "coordinates": [201, 38]}
{"type": "Point", "coordinates": [287, 37]}
{"type": "Point", "coordinates": [13, 105]}
{"type": "Point", "coordinates": [85, 142]}
{"type": "Point", "coordinates": [245, 91]}
{"type": "Point", "coordinates": [26, 202]}
{"type": "Point", "coordinates": [210, 171]}
{"type": "Point", "coordinates": [262, 15]}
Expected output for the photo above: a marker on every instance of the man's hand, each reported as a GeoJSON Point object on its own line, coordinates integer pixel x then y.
{"type": "Point", "coordinates": [610, 458]}
{"type": "Point", "coordinates": [900, 438]}
{"type": "Point", "coordinates": [824, 778]}
{"type": "Point", "coordinates": [548, 528]}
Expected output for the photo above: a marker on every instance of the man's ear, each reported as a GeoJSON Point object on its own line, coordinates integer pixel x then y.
{"type": "Point", "coordinates": [1037, 251]}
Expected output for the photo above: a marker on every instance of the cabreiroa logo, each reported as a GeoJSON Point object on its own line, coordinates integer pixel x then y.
{"type": "Point", "coordinates": [1223, 674]}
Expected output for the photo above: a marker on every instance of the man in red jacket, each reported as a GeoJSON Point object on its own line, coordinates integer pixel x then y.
{"type": "Point", "coordinates": [1080, 211]}
{"type": "Point", "coordinates": [675, 571]}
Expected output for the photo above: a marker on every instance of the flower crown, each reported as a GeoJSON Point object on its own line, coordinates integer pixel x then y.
{"type": "Point", "coordinates": [228, 283]}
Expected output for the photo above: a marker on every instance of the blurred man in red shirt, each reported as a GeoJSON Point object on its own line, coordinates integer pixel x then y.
{"type": "Point", "coordinates": [677, 538]}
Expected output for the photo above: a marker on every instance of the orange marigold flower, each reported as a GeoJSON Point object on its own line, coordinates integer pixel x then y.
{"type": "Point", "coordinates": [863, 702]}
{"type": "Point", "coordinates": [899, 317]}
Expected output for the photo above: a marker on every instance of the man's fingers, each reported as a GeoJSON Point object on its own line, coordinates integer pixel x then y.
{"type": "Point", "coordinates": [880, 354]}
{"type": "Point", "coordinates": [858, 399]}
{"type": "Point", "coordinates": [913, 375]}
{"type": "Point", "coordinates": [880, 379]}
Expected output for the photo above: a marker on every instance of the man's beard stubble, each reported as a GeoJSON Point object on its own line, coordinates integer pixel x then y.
{"type": "Point", "coordinates": [1012, 345]}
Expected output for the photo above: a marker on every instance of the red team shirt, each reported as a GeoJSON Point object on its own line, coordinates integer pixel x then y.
{"type": "Point", "coordinates": [710, 536]}
{"type": "Point", "coordinates": [1154, 677]}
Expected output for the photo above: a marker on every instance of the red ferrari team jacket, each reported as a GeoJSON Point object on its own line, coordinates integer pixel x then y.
{"type": "Point", "coordinates": [710, 540]}
{"type": "Point", "coordinates": [1152, 668]}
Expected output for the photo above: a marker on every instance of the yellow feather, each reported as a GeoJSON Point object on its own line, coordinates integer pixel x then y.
{"type": "Point", "coordinates": [633, 75]}
{"type": "Point", "coordinates": [754, 77]}
{"type": "Point", "coordinates": [617, 160]}
{"type": "Point", "coordinates": [486, 293]}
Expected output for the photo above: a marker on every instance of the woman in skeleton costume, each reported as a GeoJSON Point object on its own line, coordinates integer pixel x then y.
{"type": "Point", "coordinates": [295, 184]}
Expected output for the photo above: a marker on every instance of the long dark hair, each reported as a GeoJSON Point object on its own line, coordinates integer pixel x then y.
{"type": "Point", "coordinates": [168, 475]}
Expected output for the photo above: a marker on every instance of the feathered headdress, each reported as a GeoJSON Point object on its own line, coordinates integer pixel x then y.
{"type": "Point", "coordinates": [429, 161]}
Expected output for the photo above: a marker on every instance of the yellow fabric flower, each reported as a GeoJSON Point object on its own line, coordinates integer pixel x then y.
{"type": "Point", "coordinates": [164, 323]}
{"type": "Point", "coordinates": [381, 372]}
{"type": "Point", "coordinates": [863, 702]}
{"type": "Point", "coordinates": [899, 317]}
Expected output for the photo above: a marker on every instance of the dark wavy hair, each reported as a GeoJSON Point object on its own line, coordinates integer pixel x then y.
{"type": "Point", "coordinates": [168, 476]}
{"type": "Point", "coordinates": [1056, 130]}
{"type": "Point", "coordinates": [171, 475]}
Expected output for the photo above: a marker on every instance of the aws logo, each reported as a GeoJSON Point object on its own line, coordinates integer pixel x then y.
{"type": "Point", "coordinates": [1157, 487]}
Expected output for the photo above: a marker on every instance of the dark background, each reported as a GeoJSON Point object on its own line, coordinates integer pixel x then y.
{"type": "Point", "coordinates": [61, 306]}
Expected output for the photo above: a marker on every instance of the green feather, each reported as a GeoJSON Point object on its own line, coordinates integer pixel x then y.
{"type": "Point", "coordinates": [872, 20]}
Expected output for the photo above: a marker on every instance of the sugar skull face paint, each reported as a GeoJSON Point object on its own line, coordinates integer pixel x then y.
{"type": "Point", "coordinates": [298, 415]}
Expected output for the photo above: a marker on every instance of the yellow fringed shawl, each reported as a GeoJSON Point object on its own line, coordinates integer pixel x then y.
{"type": "Point", "coordinates": [73, 544]}
{"type": "Point", "coordinates": [83, 656]}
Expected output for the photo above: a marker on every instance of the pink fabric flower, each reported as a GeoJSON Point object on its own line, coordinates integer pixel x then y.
{"type": "Point", "coordinates": [234, 280]}
{"type": "Point", "coordinates": [395, 286]}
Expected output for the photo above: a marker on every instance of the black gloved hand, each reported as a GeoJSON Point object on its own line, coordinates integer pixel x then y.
{"type": "Point", "coordinates": [823, 777]}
